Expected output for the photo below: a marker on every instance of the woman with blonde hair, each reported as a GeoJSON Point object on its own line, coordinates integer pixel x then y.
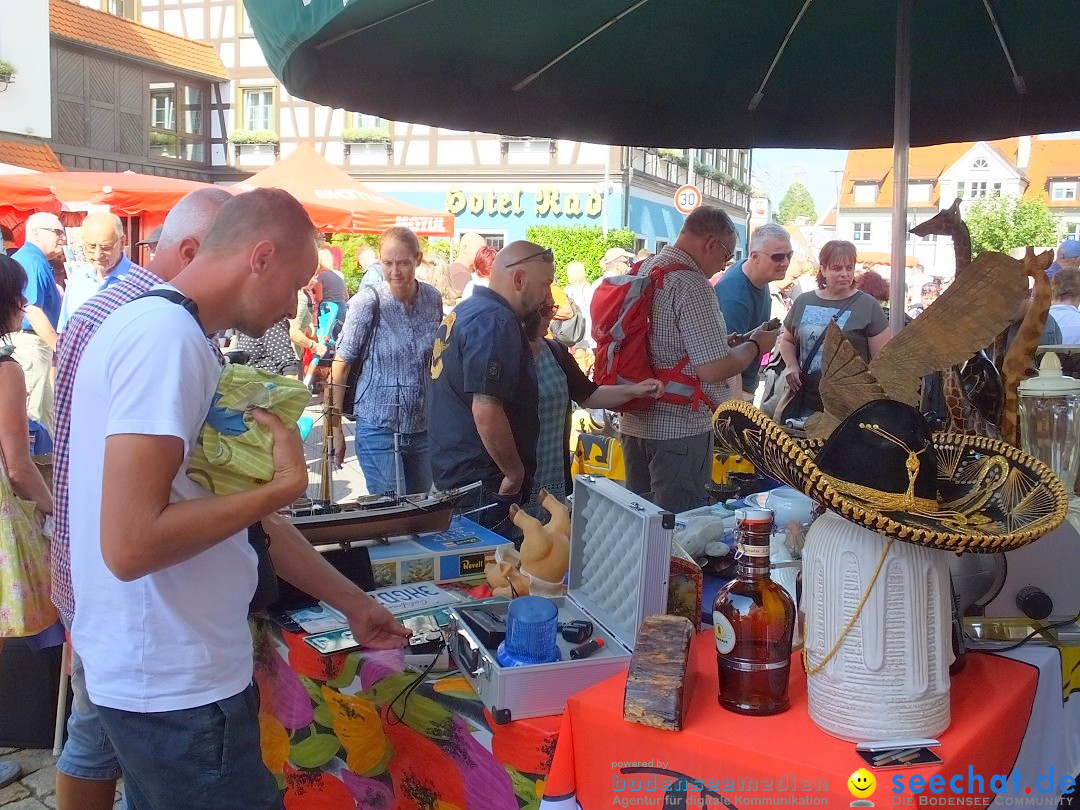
{"type": "Point", "coordinates": [390, 329]}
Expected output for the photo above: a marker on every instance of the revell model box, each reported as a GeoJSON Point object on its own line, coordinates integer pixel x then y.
{"type": "Point", "coordinates": [620, 558]}
{"type": "Point", "coordinates": [460, 552]}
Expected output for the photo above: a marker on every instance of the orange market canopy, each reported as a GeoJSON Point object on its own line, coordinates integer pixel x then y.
{"type": "Point", "coordinates": [874, 257]}
{"type": "Point", "coordinates": [126, 193]}
{"type": "Point", "coordinates": [339, 203]}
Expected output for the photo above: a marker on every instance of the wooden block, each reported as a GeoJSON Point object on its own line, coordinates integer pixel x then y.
{"type": "Point", "coordinates": [657, 688]}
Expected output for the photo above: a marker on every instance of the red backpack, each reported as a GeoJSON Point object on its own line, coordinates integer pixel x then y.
{"type": "Point", "coordinates": [621, 319]}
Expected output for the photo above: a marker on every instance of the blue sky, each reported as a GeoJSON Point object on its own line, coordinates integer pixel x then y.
{"type": "Point", "coordinates": [776, 169]}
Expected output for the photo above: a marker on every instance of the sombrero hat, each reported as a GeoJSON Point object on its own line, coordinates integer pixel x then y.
{"type": "Point", "coordinates": [884, 468]}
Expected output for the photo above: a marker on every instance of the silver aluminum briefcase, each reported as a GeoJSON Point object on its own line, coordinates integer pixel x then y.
{"type": "Point", "coordinates": [620, 556]}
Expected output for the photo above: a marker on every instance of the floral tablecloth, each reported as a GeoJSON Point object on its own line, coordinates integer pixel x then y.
{"type": "Point", "coordinates": [354, 730]}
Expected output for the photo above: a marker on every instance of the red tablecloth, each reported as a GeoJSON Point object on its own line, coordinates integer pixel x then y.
{"type": "Point", "coordinates": [784, 759]}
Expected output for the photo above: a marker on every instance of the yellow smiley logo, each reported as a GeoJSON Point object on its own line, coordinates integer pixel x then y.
{"type": "Point", "coordinates": [862, 784]}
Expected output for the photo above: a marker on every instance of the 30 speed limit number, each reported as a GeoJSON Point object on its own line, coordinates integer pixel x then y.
{"type": "Point", "coordinates": [687, 198]}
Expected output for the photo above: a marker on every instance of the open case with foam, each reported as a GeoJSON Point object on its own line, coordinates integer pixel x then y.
{"type": "Point", "coordinates": [620, 556]}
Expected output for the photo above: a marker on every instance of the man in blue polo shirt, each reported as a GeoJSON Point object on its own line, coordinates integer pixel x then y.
{"type": "Point", "coordinates": [35, 344]}
{"type": "Point", "coordinates": [483, 389]}
{"type": "Point", "coordinates": [102, 236]}
{"type": "Point", "coordinates": [743, 291]}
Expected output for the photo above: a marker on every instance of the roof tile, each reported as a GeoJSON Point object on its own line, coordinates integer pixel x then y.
{"type": "Point", "coordinates": [72, 21]}
{"type": "Point", "coordinates": [36, 156]}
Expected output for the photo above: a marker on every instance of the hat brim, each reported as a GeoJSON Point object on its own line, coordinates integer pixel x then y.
{"type": "Point", "coordinates": [993, 496]}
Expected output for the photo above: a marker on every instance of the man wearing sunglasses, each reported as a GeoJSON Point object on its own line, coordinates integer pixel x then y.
{"type": "Point", "coordinates": [743, 290]}
{"type": "Point", "coordinates": [36, 341]}
{"type": "Point", "coordinates": [483, 390]}
{"type": "Point", "coordinates": [102, 236]}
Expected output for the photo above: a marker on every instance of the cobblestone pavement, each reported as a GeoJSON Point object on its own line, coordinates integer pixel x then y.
{"type": "Point", "coordinates": [36, 788]}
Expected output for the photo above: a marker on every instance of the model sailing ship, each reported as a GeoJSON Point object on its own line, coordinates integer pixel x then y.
{"type": "Point", "coordinates": [321, 520]}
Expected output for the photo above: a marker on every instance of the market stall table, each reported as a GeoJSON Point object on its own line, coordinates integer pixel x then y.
{"type": "Point", "coordinates": [602, 760]}
{"type": "Point", "coordinates": [346, 730]}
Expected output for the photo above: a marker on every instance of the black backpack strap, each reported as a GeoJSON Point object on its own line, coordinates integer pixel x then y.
{"type": "Point", "coordinates": [177, 297]}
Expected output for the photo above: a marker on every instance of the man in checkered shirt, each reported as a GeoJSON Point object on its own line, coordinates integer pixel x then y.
{"type": "Point", "coordinates": [668, 447]}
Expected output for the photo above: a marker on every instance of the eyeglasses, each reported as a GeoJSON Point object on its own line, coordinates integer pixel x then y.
{"type": "Point", "coordinates": [547, 254]}
{"type": "Point", "coordinates": [779, 257]}
{"type": "Point", "coordinates": [58, 231]}
{"type": "Point", "coordinates": [730, 252]}
{"type": "Point", "coordinates": [104, 247]}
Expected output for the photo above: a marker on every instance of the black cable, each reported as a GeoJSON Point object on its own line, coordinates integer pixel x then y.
{"type": "Point", "coordinates": [408, 690]}
{"type": "Point", "coordinates": [1037, 631]}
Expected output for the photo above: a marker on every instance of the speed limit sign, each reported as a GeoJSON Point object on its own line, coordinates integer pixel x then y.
{"type": "Point", "coordinates": [687, 198]}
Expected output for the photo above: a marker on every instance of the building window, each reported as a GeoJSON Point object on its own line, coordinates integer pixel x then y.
{"type": "Point", "coordinates": [173, 136]}
{"type": "Point", "coordinates": [639, 243]}
{"type": "Point", "coordinates": [122, 8]}
{"type": "Point", "coordinates": [495, 239]}
{"type": "Point", "coordinates": [930, 237]}
{"type": "Point", "coordinates": [995, 189]}
{"type": "Point", "coordinates": [980, 164]}
{"type": "Point", "coordinates": [661, 244]}
{"type": "Point", "coordinates": [361, 121]}
{"type": "Point", "coordinates": [919, 192]}
{"type": "Point", "coordinates": [860, 232]}
{"type": "Point", "coordinates": [977, 190]}
{"type": "Point", "coordinates": [722, 165]}
{"type": "Point", "coordinates": [243, 22]}
{"type": "Point", "coordinates": [1072, 231]}
{"type": "Point", "coordinates": [866, 192]}
{"type": "Point", "coordinates": [257, 104]}
{"type": "Point", "coordinates": [960, 190]}
{"type": "Point", "coordinates": [1063, 191]}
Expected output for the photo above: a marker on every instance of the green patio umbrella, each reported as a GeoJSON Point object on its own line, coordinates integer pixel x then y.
{"type": "Point", "coordinates": [682, 72]}
{"type": "Point", "coordinates": [749, 73]}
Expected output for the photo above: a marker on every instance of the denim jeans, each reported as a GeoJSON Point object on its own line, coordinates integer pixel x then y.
{"type": "Point", "coordinates": [204, 758]}
{"type": "Point", "coordinates": [382, 466]}
{"type": "Point", "coordinates": [88, 753]}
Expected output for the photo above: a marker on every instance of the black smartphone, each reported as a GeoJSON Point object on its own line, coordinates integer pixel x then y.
{"type": "Point", "coordinates": [900, 758]}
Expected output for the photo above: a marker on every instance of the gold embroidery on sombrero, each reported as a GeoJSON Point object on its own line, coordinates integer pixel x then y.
{"type": "Point", "coordinates": [906, 501]}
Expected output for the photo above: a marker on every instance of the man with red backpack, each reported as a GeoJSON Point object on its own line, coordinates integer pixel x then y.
{"type": "Point", "coordinates": [676, 334]}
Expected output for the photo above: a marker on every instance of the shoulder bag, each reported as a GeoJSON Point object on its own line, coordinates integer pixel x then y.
{"type": "Point", "coordinates": [792, 401]}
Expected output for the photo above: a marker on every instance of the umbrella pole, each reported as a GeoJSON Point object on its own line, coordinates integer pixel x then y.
{"type": "Point", "coordinates": [901, 150]}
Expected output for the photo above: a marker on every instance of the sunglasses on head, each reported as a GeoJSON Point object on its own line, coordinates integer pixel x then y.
{"type": "Point", "coordinates": [547, 254]}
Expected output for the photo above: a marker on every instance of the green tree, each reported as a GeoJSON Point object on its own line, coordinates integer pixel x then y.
{"type": "Point", "coordinates": [797, 203]}
{"type": "Point", "coordinates": [582, 243]}
{"type": "Point", "coordinates": [1002, 223]}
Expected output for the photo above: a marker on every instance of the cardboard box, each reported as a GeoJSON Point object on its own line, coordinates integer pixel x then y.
{"type": "Point", "coordinates": [459, 553]}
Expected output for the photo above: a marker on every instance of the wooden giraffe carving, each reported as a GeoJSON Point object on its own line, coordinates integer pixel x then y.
{"type": "Point", "coordinates": [973, 392]}
{"type": "Point", "coordinates": [1020, 358]}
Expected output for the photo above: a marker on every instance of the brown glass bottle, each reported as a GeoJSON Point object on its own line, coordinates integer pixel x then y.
{"type": "Point", "coordinates": [753, 621]}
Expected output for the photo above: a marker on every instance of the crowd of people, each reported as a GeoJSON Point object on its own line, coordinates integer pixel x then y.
{"type": "Point", "coordinates": [454, 373]}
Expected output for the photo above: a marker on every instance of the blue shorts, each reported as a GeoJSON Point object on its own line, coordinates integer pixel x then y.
{"type": "Point", "coordinates": [204, 758]}
{"type": "Point", "coordinates": [87, 753]}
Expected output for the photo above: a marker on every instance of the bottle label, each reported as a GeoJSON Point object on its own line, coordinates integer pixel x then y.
{"type": "Point", "coordinates": [724, 632]}
{"type": "Point", "coordinates": [752, 550]}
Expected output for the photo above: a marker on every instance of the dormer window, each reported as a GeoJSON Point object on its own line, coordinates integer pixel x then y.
{"type": "Point", "coordinates": [980, 164]}
{"type": "Point", "coordinates": [866, 192]}
{"type": "Point", "coordinates": [1061, 191]}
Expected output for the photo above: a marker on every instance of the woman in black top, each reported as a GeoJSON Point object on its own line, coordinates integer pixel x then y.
{"type": "Point", "coordinates": [560, 381]}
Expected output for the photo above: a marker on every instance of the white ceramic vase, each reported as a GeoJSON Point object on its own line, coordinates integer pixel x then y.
{"type": "Point", "coordinates": [889, 678]}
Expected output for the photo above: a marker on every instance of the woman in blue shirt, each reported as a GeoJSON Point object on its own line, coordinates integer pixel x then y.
{"type": "Point", "coordinates": [390, 328]}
